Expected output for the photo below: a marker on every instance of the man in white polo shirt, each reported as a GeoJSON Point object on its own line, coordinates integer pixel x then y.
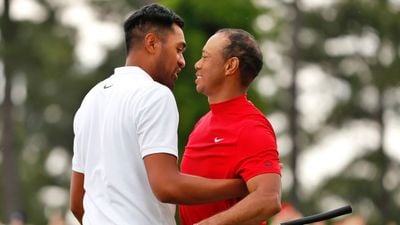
{"type": "Point", "coordinates": [125, 145]}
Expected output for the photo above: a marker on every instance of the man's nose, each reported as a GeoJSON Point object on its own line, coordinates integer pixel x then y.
{"type": "Point", "coordinates": [181, 62]}
{"type": "Point", "coordinates": [197, 65]}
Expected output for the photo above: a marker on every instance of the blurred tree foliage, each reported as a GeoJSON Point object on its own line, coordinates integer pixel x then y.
{"type": "Point", "coordinates": [370, 67]}
{"type": "Point", "coordinates": [41, 77]}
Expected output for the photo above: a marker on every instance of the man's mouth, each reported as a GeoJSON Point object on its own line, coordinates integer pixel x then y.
{"type": "Point", "coordinates": [176, 73]}
{"type": "Point", "coordinates": [198, 77]}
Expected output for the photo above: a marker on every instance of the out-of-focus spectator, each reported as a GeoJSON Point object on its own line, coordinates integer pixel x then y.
{"type": "Point", "coordinates": [57, 219]}
{"type": "Point", "coordinates": [352, 220]}
{"type": "Point", "coordinates": [17, 218]}
{"type": "Point", "coordinates": [289, 212]}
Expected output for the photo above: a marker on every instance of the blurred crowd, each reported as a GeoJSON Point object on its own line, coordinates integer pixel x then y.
{"type": "Point", "coordinates": [19, 218]}
{"type": "Point", "coordinates": [288, 213]}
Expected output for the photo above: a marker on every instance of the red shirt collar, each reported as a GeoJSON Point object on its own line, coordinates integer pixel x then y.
{"type": "Point", "coordinates": [231, 105]}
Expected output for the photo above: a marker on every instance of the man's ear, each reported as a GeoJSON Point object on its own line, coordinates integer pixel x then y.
{"type": "Point", "coordinates": [231, 65]}
{"type": "Point", "coordinates": [151, 42]}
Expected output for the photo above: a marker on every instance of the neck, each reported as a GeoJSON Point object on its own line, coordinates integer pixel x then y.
{"type": "Point", "coordinates": [226, 95]}
{"type": "Point", "coordinates": [229, 89]}
{"type": "Point", "coordinates": [137, 60]}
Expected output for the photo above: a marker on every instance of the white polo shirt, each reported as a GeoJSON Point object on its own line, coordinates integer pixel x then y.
{"type": "Point", "coordinates": [121, 120]}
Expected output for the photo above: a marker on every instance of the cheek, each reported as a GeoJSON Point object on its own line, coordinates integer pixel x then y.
{"type": "Point", "coordinates": [176, 57]}
{"type": "Point", "coordinates": [208, 66]}
{"type": "Point", "coordinates": [213, 69]}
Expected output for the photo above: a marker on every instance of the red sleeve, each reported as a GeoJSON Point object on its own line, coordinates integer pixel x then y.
{"type": "Point", "coordinates": [257, 152]}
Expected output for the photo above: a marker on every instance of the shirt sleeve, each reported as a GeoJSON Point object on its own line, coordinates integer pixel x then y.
{"type": "Point", "coordinates": [157, 123]}
{"type": "Point", "coordinates": [77, 158]}
{"type": "Point", "coordinates": [257, 152]}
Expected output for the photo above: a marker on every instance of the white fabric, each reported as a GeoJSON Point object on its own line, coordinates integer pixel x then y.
{"type": "Point", "coordinates": [121, 120]}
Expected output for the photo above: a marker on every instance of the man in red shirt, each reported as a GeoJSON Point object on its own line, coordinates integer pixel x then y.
{"type": "Point", "coordinates": [234, 139]}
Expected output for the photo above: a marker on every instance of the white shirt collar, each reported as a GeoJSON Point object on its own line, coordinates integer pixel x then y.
{"type": "Point", "coordinates": [130, 70]}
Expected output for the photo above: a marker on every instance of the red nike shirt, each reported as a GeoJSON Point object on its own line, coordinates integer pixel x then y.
{"type": "Point", "coordinates": [233, 140]}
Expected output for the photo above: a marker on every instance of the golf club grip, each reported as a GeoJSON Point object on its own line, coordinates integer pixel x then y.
{"type": "Point", "coordinates": [321, 216]}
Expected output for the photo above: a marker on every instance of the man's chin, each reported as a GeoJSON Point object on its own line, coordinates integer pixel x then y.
{"type": "Point", "coordinates": [167, 84]}
{"type": "Point", "coordinates": [170, 86]}
{"type": "Point", "coordinates": [199, 90]}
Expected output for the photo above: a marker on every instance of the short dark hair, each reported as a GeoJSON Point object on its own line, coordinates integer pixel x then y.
{"type": "Point", "coordinates": [153, 17]}
{"type": "Point", "coordinates": [243, 46]}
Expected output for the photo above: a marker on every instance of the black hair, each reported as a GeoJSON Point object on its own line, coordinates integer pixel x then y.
{"type": "Point", "coordinates": [150, 18]}
{"type": "Point", "coordinates": [243, 46]}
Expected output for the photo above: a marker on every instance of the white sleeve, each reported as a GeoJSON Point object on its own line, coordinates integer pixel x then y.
{"type": "Point", "coordinates": [81, 133]}
{"type": "Point", "coordinates": [157, 123]}
{"type": "Point", "coordinates": [77, 160]}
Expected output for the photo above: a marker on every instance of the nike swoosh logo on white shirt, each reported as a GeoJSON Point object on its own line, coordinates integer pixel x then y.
{"type": "Point", "coordinates": [107, 86]}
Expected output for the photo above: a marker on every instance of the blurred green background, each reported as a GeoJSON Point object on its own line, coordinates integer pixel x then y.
{"type": "Point", "coordinates": [330, 86]}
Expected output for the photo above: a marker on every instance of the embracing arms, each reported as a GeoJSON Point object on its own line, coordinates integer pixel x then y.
{"type": "Point", "coordinates": [171, 186]}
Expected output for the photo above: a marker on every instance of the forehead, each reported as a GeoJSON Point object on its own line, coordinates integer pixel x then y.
{"type": "Point", "coordinates": [177, 36]}
{"type": "Point", "coordinates": [216, 43]}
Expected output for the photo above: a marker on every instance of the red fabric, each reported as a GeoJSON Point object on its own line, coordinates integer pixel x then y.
{"type": "Point", "coordinates": [233, 140]}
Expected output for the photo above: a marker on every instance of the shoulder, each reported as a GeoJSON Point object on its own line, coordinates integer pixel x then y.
{"type": "Point", "coordinates": [92, 94]}
{"type": "Point", "coordinates": [255, 118]}
{"type": "Point", "coordinates": [257, 129]}
{"type": "Point", "coordinates": [157, 93]}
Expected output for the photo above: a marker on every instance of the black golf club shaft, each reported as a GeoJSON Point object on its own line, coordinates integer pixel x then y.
{"type": "Point", "coordinates": [321, 216]}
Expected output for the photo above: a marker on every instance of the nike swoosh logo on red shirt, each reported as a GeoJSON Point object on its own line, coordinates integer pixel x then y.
{"type": "Point", "coordinates": [217, 140]}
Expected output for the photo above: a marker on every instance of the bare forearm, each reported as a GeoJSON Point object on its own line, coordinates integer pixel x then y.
{"type": "Point", "coordinates": [76, 195]}
{"type": "Point", "coordinates": [78, 215]}
{"type": "Point", "coordinates": [263, 202]}
{"type": "Point", "coordinates": [171, 186]}
{"type": "Point", "coordinates": [251, 210]}
{"type": "Point", "coordinates": [187, 189]}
